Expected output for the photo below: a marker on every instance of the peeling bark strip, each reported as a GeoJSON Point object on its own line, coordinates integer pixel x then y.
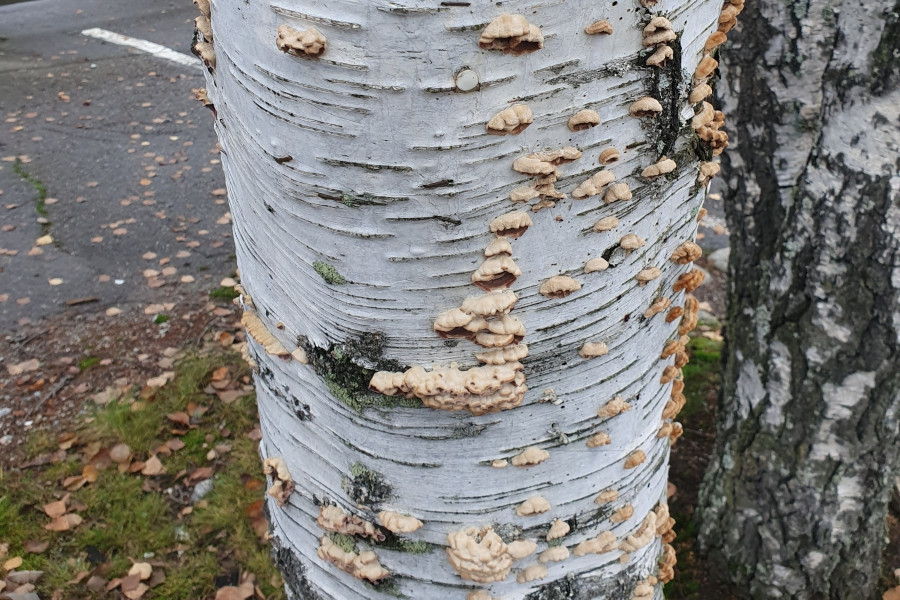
{"type": "Point", "coordinates": [371, 200]}
{"type": "Point", "coordinates": [794, 503]}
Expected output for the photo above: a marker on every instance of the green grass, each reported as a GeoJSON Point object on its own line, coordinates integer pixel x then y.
{"type": "Point", "coordinates": [88, 362]}
{"type": "Point", "coordinates": [129, 517]}
{"type": "Point", "coordinates": [38, 186]}
{"type": "Point", "coordinates": [224, 293]}
{"type": "Point", "coordinates": [702, 375]}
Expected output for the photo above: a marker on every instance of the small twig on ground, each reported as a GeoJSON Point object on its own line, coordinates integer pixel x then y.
{"type": "Point", "coordinates": [59, 385]}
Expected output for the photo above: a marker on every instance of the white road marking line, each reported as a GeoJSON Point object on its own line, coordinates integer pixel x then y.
{"type": "Point", "coordinates": [143, 46]}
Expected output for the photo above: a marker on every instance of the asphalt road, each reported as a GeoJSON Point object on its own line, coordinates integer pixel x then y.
{"type": "Point", "coordinates": [126, 156]}
{"type": "Point", "coordinates": [127, 159]}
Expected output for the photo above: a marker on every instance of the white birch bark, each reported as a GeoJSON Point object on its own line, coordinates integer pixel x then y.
{"type": "Point", "coordinates": [367, 160]}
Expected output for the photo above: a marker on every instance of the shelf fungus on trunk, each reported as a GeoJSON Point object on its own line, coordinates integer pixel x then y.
{"type": "Point", "coordinates": [512, 224]}
{"type": "Point", "coordinates": [645, 107]}
{"type": "Point", "coordinates": [596, 264]}
{"type": "Point", "coordinates": [700, 93]}
{"type": "Point", "coordinates": [333, 518]}
{"type": "Point", "coordinates": [631, 241]}
{"type": "Point", "coordinates": [601, 544]}
{"type": "Point", "coordinates": [643, 536]}
{"type": "Point", "coordinates": [660, 57]}
{"type": "Point", "coordinates": [593, 350]}
{"type": "Point", "coordinates": [511, 34]}
{"type": "Point", "coordinates": [554, 554]}
{"type": "Point", "coordinates": [558, 529]}
{"type": "Point", "coordinates": [533, 506]}
{"type": "Point", "coordinates": [258, 331]}
{"type": "Point", "coordinates": [658, 306]}
{"type": "Point", "coordinates": [635, 458]}
{"type": "Point", "coordinates": [622, 514]}
{"type": "Point", "coordinates": [647, 275]}
{"type": "Point", "coordinates": [616, 192]}
{"type": "Point", "coordinates": [614, 407]}
{"type": "Point", "coordinates": [529, 457]}
{"type": "Point", "coordinates": [300, 42]}
{"type": "Point", "coordinates": [532, 572]}
{"type": "Point", "coordinates": [559, 286]}
{"type": "Point", "coordinates": [689, 281]}
{"type": "Point", "coordinates": [398, 523]}
{"type": "Point", "coordinates": [608, 156]}
{"type": "Point", "coordinates": [480, 390]}
{"type": "Point", "coordinates": [511, 121]}
{"type": "Point", "coordinates": [496, 272]}
{"type": "Point", "coordinates": [594, 185]}
{"type": "Point", "coordinates": [282, 483]}
{"type": "Point", "coordinates": [362, 566]}
{"type": "Point", "coordinates": [645, 590]}
{"type": "Point", "coordinates": [606, 496]}
{"type": "Point", "coordinates": [599, 439]}
{"type": "Point", "coordinates": [606, 224]}
{"type": "Point", "coordinates": [599, 27]}
{"type": "Point", "coordinates": [519, 549]}
{"type": "Point", "coordinates": [658, 31]}
{"type": "Point", "coordinates": [583, 119]}
{"type": "Point", "coordinates": [686, 252]}
{"type": "Point", "coordinates": [663, 166]}
{"type": "Point", "coordinates": [479, 555]}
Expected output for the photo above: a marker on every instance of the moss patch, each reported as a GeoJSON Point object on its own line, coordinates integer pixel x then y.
{"type": "Point", "coordinates": [328, 273]}
{"type": "Point", "coordinates": [702, 375]}
{"type": "Point", "coordinates": [366, 487]}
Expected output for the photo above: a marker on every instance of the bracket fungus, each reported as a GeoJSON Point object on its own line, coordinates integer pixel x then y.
{"type": "Point", "coordinates": [599, 27]}
{"type": "Point", "coordinates": [689, 281]}
{"type": "Point", "coordinates": [362, 566]}
{"type": "Point", "coordinates": [397, 523]}
{"type": "Point", "coordinates": [532, 166]}
{"type": "Point", "coordinates": [617, 192]}
{"type": "Point", "coordinates": [670, 373]}
{"type": "Point", "coordinates": [596, 264]}
{"type": "Point", "coordinates": [643, 536]}
{"type": "Point", "coordinates": [558, 529]}
{"type": "Point", "coordinates": [523, 194]}
{"type": "Point", "coordinates": [658, 306]}
{"type": "Point", "coordinates": [283, 483]}
{"type": "Point", "coordinates": [631, 241]}
{"type": "Point", "coordinates": [296, 42]}
{"type": "Point", "coordinates": [667, 563]}
{"type": "Point", "coordinates": [691, 315]}
{"type": "Point", "coordinates": [499, 245]}
{"type": "Point", "coordinates": [635, 458]}
{"type": "Point", "coordinates": [533, 506]}
{"type": "Point", "coordinates": [490, 304]}
{"type": "Point", "coordinates": [204, 26]}
{"type": "Point", "coordinates": [258, 331]}
{"type": "Point", "coordinates": [496, 272]}
{"type": "Point", "coordinates": [480, 390]}
{"type": "Point", "coordinates": [511, 34]}
{"type": "Point", "coordinates": [686, 252]}
{"type": "Point", "coordinates": [501, 356]}
{"type": "Point", "coordinates": [559, 286]}
{"type": "Point", "coordinates": [675, 313]}
{"type": "Point", "coordinates": [599, 439]}
{"type": "Point", "coordinates": [603, 543]}
{"type": "Point", "coordinates": [608, 156]}
{"type": "Point", "coordinates": [699, 93]}
{"type": "Point", "coordinates": [519, 549]}
{"type": "Point", "coordinates": [645, 107]}
{"type": "Point", "coordinates": [706, 116]}
{"type": "Point", "coordinates": [479, 555]}
{"type": "Point", "coordinates": [661, 167]}
{"type": "Point", "coordinates": [647, 275]}
{"type": "Point", "coordinates": [206, 52]}
{"type": "Point", "coordinates": [606, 224]}
{"type": "Point", "coordinates": [557, 157]}
{"type": "Point", "coordinates": [532, 572]}
{"type": "Point", "coordinates": [333, 518]}
{"type": "Point", "coordinates": [644, 590]}
{"type": "Point", "coordinates": [606, 496]}
{"type": "Point", "coordinates": [622, 514]}
{"type": "Point", "coordinates": [705, 69]}
{"type": "Point", "coordinates": [660, 57]}
{"type": "Point", "coordinates": [593, 350]}
{"type": "Point", "coordinates": [554, 554]}
{"type": "Point", "coordinates": [614, 407]}
{"type": "Point", "coordinates": [658, 31]}
{"type": "Point", "coordinates": [479, 595]}
{"type": "Point", "coordinates": [708, 170]}
{"type": "Point", "coordinates": [593, 185]}
{"type": "Point", "coordinates": [583, 119]}
{"type": "Point", "coordinates": [511, 121]}
{"type": "Point", "coordinates": [203, 7]}
{"type": "Point", "coordinates": [529, 457]}
{"type": "Point", "coordinates": [715, 39]}
{"type": "Point", "coordinates": [512, 224]}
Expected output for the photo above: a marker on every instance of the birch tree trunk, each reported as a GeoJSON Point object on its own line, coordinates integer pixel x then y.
{"type": "Point", "coordinates": [795, 499]}
{"type": "Point", "coordinates": [368, 196]}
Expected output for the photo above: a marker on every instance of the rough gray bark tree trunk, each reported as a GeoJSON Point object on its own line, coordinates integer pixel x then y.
{"type": "Point", "coordinates": [398, 177]}
{"type": "Point", "coordinates": [808, 441]}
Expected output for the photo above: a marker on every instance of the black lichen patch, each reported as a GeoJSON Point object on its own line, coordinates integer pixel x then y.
{"type": "Point", "coordinates": [347, 369]}
{"type": "Point", "coordinates": [467, 430]}
{"type": "Point", "coordinates": [366, 487]}
{"type": "Point", "coordinates": [668, 86]}
{"type": "Point", "coordinates": [293, 572]}
{"type": "Point", "coordinates": [508, 532]}
{"type": "Point", "coordinates": [399, 544]}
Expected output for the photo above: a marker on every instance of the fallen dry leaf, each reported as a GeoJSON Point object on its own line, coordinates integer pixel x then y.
{"type": "Point", "coordinates": [179, 417]}
{"type": "Point", "coordinates": [175, 444]}
{"type": "Point", "coordinates": [90, 473]}
{"type": "Point", "coordinates": [55, 509]}
{"type": "Point", "coordinates": [153, 466]}
{"type": "Point", "coordinates": [23, 367]}
{"type": "Point", "coordinates": [44, 240]}
{"type": "Point", "coordinates": [891, 594]}
{"type": "Point", "coordinates": [244, 591]}
{"type": "Point", "coordinates": [13, 563]}
{"type": "Point", "coordinates": [36, 546]}
{"type": "Point", "coordinates": [141, 569]}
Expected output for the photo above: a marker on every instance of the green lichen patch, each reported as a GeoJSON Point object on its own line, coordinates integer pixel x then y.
{"type": "Point", "coordinates": [348, 367]}
{"type": "Point", "coordinates": [328, 273]}
{"type": "Point", "coordinates": [344, 542]}
{"type": "Point", "coordinates": [365, 486]}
